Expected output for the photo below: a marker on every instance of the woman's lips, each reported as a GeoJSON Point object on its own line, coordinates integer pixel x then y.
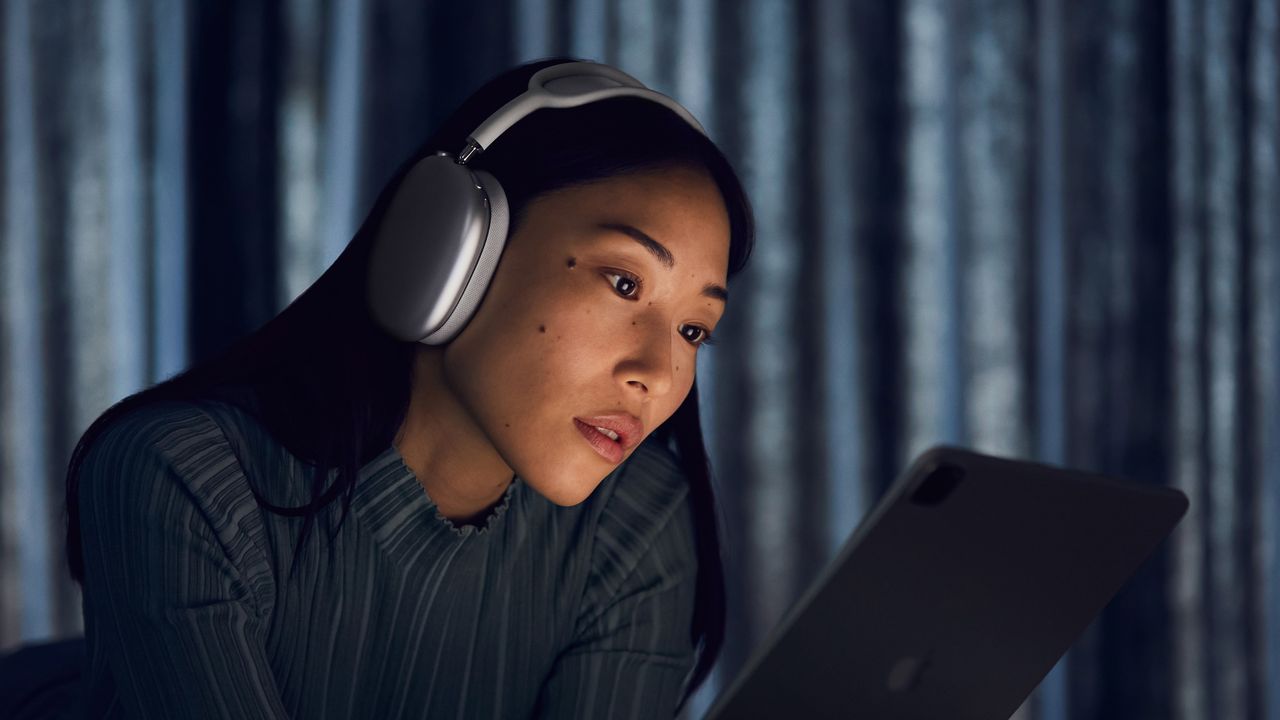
{"type": "Point", "coordinates": [626, 426]}
{"type": "Point", "coordinates": [601, 443]}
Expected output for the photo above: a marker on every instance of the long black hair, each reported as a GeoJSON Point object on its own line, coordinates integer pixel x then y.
{"type": "Point", "coordinates": [338, 408]}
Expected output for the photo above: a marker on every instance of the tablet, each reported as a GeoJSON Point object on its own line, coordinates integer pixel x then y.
{"type": "Point", "coordinates": [956, 594]}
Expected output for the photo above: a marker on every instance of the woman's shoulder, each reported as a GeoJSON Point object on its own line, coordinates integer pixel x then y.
{"type": "Point", "coordinates": [645, 535]}
{"type": "Point", "coordinates": [162, 481]}
{"type": "Point", "coordinates": [145, 449]}
{"type": "Point", "coordinates": [647, 497]}
{"type": "Point", "coordinates": [653, 472]}
{"type": "Point", "coordinates": [173, 429]}
{"type": "Point", "coordinates": [181, 430]}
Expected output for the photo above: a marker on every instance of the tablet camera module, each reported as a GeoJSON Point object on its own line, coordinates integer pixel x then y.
{"type": "Point", "coordinates": [938, 485]}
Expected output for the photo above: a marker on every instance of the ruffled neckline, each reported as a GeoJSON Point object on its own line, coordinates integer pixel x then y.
{"type": "Point", "coordinates": [390, 466]}
{"type": "Point", "coordinates": [491, 520]}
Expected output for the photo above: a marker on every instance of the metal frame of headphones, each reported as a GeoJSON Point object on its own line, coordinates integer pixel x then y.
{"type": "Point", "coordinates": [439, 243]}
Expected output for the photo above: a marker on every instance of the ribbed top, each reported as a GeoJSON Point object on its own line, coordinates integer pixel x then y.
{"type": "Point", "coordinates": [542, 611]}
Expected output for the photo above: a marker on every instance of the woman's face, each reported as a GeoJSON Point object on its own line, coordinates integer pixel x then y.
{"type": "Point", "coordinates": [583, 320]}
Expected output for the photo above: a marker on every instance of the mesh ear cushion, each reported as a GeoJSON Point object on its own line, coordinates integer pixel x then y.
{"type": "Point", "coordinates": [495, 240]}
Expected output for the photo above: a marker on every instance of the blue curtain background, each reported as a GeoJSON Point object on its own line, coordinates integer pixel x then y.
{"type": "Point", "coordinates": [1046, 229]}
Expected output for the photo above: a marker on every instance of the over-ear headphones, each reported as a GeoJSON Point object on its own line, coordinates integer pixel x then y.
{"type": "Point", "coordinates": [439, 243]}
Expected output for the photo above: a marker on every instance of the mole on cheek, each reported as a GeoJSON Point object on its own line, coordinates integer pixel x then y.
{"type": "Point", "coordinates": [572, 262]}
{"type": "Point", "coordinates": [542, 328]}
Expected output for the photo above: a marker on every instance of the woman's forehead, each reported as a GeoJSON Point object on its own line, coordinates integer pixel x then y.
{"type": "Point", "coordinates": [673, 203]}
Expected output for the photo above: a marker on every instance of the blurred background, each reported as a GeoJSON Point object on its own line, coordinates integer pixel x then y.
{"type": "Point", "coordinates": [1047, 229]}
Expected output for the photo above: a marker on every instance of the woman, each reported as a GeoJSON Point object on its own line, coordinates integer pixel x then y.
{"type": "Point", "coordinates": [497, 552]}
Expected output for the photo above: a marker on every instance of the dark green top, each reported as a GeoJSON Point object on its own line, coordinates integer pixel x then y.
{"type": "Point", "coordinates": [544, 611]}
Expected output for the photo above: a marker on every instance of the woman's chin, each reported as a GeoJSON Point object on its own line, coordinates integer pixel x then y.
{"type": "Point", "coordinates": [565, 493]}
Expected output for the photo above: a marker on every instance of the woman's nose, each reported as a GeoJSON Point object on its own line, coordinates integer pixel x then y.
{"type": "Point", "coordinates": [649, 369]}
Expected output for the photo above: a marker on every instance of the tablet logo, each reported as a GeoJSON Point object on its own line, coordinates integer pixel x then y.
{"type": "Point", "coordinates": [906, 673]}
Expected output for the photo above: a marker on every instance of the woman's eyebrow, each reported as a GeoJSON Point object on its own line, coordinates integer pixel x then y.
{"type": "Point", "coordinates": [658, 250]}
{"type": "Point", "coordinates": [664, 255]}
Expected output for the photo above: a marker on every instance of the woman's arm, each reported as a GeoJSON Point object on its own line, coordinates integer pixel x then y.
{"type": "Point", "coordinates": [633, 649]}
{"type": "Point", "coordinates": [164, 604]}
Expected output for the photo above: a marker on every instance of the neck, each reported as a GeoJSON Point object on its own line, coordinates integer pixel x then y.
{"type": "Point", "coordinates": [447, 450]}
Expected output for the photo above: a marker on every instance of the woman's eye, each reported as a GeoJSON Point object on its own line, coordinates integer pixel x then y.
{"type": "Point", "coordinates": [626, 280]}
{"type": "Point", "coordinates": [700, 336]}
{"type": "Point", "coordinates": [628, 285]}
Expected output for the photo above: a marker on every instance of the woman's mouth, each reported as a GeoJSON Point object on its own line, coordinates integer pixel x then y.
{"type": "Point", "coordinates": [608, 447]}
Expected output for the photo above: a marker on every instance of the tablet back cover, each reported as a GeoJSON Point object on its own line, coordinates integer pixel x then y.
{"type": "Point", "coordinates": [957, 594]}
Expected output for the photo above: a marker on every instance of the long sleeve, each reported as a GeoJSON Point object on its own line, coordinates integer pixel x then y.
{"type": "Point", "coordinates": [632, 649]}
{"type": "Point", "coordinates": [168, 613]}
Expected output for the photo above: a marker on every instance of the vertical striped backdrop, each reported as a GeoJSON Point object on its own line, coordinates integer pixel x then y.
{"type": "Point", "coordinates": [1047, 229]}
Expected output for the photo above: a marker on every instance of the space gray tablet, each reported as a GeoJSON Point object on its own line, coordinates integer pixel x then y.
{"type": "Point", "coordinates": [956, 594]}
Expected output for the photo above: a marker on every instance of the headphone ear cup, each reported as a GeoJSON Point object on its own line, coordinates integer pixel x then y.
{"type": "Point", "coordinates": [428, 248]}
{"type": "Point", "coordinates": [478, 283]}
